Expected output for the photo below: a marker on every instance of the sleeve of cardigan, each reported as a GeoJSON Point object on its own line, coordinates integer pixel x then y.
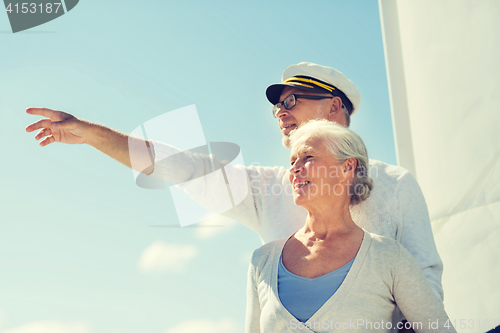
{"type": "Point", "coordinates": [252, 321]}
{"type": "Point", "coordinates": [416, 234]}
{"type": "Point", "coordinates": [415, 298]}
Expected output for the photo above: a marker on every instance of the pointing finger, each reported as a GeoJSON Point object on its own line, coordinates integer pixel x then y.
{"type": "Point", "coordinates": [41, 112]}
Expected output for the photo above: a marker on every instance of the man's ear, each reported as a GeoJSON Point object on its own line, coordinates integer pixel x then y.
{"type": "Point", "coordinates": [336, 114]}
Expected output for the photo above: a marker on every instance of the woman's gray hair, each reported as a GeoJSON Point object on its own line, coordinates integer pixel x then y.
{"type": "Point", "coordinates": [342, 144]}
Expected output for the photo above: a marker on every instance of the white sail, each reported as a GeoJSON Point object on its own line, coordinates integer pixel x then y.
{"type": "Point", "coordinates": [443, 65]}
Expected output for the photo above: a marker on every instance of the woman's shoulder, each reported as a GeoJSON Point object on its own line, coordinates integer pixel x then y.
{"type": "Point", "coordinates": [384, 246]}
{"type": "Point", "coordinates": [266, 253]}
{"type": "Point", "coordinates": [382, 257]}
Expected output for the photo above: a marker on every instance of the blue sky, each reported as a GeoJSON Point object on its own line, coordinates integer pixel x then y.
{"type": "Point", "coordinates": [73, 224]}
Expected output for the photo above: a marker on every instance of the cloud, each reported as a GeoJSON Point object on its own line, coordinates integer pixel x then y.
{"type": "Point", "coordinates": [214, 226]}
{"type": "Point", "coordinates": [224, 325]}
{"type": "Point", "coordinates": [50, 327]}
{"type": "Point", "coordinates": [161, 257]}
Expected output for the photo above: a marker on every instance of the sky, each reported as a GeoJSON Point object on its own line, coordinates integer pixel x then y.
{"type": "Point", "coordinates": [83, 249]}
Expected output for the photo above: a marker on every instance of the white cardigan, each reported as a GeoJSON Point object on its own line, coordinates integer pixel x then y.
{"type": "Point", "coordinates": [382, 274]}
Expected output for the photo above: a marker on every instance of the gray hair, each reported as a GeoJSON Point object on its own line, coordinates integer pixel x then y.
{"type": "Point", "coordinates": [343, 144]}
{"type": "Point", "coordinates": [347, 116]}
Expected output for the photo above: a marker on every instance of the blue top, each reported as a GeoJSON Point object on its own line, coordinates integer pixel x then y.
{"type": "Point", "coordinates": [301, 296]}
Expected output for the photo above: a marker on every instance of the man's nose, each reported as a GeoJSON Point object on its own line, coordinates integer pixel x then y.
{"type": "Point", "coordinates": [281, 112]}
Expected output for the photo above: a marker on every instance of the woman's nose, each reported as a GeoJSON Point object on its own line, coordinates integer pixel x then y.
{"type": "Point", "coordinates": [296, 168]}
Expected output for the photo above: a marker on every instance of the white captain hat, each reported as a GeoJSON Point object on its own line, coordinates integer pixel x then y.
{"type": "Point", "coordinates": [317, 78]}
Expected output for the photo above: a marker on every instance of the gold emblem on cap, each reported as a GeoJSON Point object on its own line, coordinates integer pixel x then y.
{"type": "Point", "coordinates": [300, 84]}
{"type": "Point", "coordinates": [319, 84]}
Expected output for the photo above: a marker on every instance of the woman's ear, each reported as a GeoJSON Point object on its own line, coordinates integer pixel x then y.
{"type": "Point", "coordinates": [349, 166]}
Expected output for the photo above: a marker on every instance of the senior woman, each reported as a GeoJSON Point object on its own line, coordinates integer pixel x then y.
{"type": "Point", "coordinates": [332, 275]}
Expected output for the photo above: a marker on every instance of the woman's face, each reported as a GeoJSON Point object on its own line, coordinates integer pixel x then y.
{"type": "Point", "coordinates": [315, 174]}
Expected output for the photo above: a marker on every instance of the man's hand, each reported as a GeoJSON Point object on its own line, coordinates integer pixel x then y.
{"type": "Point", "coordinates": [62, 127]}
{"type": "Point", "coordinates": [57, 126]}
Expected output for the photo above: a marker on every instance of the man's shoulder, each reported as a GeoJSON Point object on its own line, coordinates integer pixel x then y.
{"type": "Point", "coordinates": [388, 175]}
{"type": "Point", "coordinates": [387, 170]}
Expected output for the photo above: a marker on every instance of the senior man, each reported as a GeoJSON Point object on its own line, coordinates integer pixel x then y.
{"type": "Point", "coordinates": [396, 207]}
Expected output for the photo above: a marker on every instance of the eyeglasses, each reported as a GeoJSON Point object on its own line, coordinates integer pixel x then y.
{"type": "Point", "coordinates": [290, 100]}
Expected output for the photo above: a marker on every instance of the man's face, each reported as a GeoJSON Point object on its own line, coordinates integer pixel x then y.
{"type": "Point", "coordinates": [307, 109]}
